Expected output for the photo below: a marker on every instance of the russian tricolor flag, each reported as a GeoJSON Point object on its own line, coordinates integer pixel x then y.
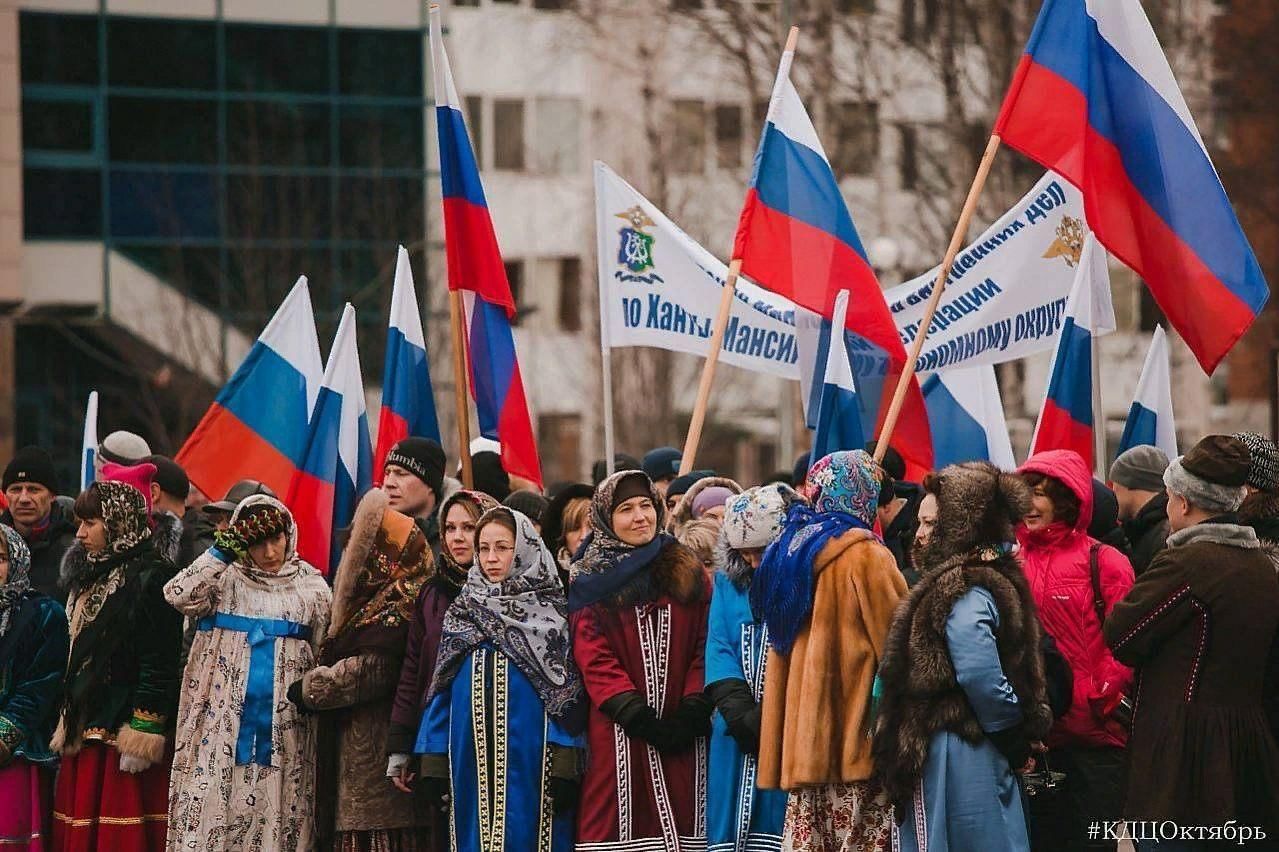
{"type": "Point", "coordinates": [966, 416]}
{"type": "Point", "coordinates": [257, 426]}
{"type": "Point", "coordinates": [475, 268]}
{"type": "Point", "coordinates": [408, 402]}
{"type": "Point", "coordinates": [338, 464]}
{"type": "Point", "coordinates": [1095, 100]}
{"type": "Point", "coordinates": [839, 420]}
{"type": "Point", "coordinates": [1066, 420]}
{"type": "Point", "coordinates": [1150, 419]}
{"type": "Point", "coordinates": [796, 238]}
{"type": "Point", "coordinates": [89, 445]}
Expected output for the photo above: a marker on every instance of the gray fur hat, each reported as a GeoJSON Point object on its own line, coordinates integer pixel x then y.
{"type": "Point", "coordinates": [1212, 474]}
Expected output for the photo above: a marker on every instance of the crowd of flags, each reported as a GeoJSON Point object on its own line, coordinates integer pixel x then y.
{"type": "Point", "coordinates": [1092, 99]}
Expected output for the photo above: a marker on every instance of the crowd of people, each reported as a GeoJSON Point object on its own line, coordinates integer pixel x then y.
{"type": "Point", "coordinates": [838, 659]}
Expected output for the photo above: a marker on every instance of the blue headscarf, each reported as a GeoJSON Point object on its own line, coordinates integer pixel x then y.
{"type": "Point", "coordinates": [844, 488]}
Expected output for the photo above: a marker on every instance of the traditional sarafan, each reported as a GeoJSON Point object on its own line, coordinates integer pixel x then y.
{"type": "Point", "coordinates": [638, 604]}
{"type": "Point", "coordinates": [503, 723]}
{"type": "Point", "coordinates": [244, 765]}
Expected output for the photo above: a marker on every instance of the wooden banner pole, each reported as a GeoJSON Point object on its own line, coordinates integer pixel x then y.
{"type": "Point", "coordinates": [459, 387]}
{"type": "Point", "coordinates": [952, 251]}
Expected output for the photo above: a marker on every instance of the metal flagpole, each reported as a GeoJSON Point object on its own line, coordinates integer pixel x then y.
{"type": "Point", "coordinates": [606, 351]}
{"type": "Point", "coordinates": [1098, 413]}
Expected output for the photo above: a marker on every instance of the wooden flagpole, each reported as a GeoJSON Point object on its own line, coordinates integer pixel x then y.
{"type": "Point", "coordinates": [717, 339]}
{"type": "Point", "coordinates": [459, 387]}
{"type": "Point", "coordinates": [952, 251]}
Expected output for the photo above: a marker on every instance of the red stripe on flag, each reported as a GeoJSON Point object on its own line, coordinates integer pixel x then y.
{"type": "Point", "coordinates": [311, 502]}
{"type": "Point", "coordinates": [1059, 431]}
{"type": "Point", "coordinates": [391, 429]}
{"type": "Point", "coordinates": [809, 266]}
{"type": "Point", "coordinates": [515, 429]}
{"type": "Point", "coordinates": [1048, 122]}
{"type": "Point", "coordinates": [474, 259]}
{"type": "Point", "coordinates": [222, 450]}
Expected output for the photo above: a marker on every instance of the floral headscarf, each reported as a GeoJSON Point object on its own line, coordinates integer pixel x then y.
{"type": "Point", "coordinates": [846, 481]}
{"type": "Point", "coordinates": [525, 616]}
{"type": "Point", "coordinates": [19, 580]}
{"type": "Point", "coordinates": [124, 513]}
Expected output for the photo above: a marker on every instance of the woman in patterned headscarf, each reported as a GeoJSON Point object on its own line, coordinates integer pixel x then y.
{"type": "Point", "coordinates": [33, 653]}
{"type": "Point", "coordinates": [638, 606]}
{"type": "Point", "coordinates": [121, 682]}
{"type": "Point", "coordinates": [826, 590]}
{"type": "Point", "coordinates": [383, 568]}
{"type": "Point", "coordinates": [505, 650]}
{"type": "Point", "coordinates": [244, 765]}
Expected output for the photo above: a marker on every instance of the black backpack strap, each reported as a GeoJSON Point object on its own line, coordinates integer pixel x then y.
{"type": "Point", "coordinates": [1094, 573]}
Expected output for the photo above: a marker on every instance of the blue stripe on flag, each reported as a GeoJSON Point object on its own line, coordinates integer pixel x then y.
{"type": "Point", "coordinates": [268, 395]}
{"type": "Point", "coordinates": [1162, 157]}
{"type": "Point", "coordinates": [957, 435]}
{"type": "Point", "coordinates": [1071, 384]}
{"type": "Point", "coordinates": [839, 423]}
{"type": "Point", "coordinates": [459, 176]}
{"type": "Point", "coordinates": [326, 424]}
{"type": "Point", "coordinates": [492, 349]}
{"type": "Point", "coordinates": [1140, 428]}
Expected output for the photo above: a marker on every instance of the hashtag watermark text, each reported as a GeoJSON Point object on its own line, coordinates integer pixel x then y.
{"type": "Point", "coordinates": [1152, 830]}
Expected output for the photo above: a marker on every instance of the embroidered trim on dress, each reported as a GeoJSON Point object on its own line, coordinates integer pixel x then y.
{"type": "Point", "coordinates": [1151, 616]}
{"type": "Point", "coordinates": [1205, 623]}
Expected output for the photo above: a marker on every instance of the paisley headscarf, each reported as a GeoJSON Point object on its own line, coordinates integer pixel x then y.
{"type": "Point", "coordinates": [447, 570]}
{"type": "Point", "coordinates": [124, 513]}
{"type": "Point", "coordinates": [607, 563]}
{"type": "Point", "coordinates": [19, 580]}
{"type": "Point", "coordinates": [844, 489]}
{"type": "Point", "coordinates": [525, 616]}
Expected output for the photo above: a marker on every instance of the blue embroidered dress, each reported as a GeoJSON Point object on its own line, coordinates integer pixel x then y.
{"type": "Point", "coordinates": [492, 726]}
{"type": "Point", "coordinates": [739, 816]}
{"type": "Point", "coordinates": [971, 801]}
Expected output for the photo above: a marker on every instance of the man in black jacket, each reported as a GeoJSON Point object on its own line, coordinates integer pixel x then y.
{"type": "Point", "coordinates": [1137, 478]}
{"type": "Point", "coordinates": [44, 520]}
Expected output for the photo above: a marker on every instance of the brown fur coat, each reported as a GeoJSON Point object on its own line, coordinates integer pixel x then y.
{"type": "Point", "coordinates": [815, 727]}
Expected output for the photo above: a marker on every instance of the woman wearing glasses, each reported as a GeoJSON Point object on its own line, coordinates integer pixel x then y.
{"type": "Point", "coordinates": [498, 737]}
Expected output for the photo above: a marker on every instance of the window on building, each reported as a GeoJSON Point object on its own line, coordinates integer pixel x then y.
{"type": "Point", "coordinates": [552, 5]}
{"type": "Point", "coordinates": [263, 206]}
{"type": "Point", "coordinates": [515, 277]}
{"type": "Point", "coordinates": [559, 440]}
{"type": "Point", "coordinates": [559, 132]}
{"type": "Point", "coordinates": [856, 138]}
{"type": "Point", "coordinates": [688, 154]}
{"type": "Point", "coordinates": [471, 3]}
{"type": "Point", "coordinates": [854, 7]}
{"type": "Point", "coordinates": [379, 208]}
{"type": "Point", "coordinates": [278, 133]}
{"type": "Point", "coordinates": [908, 156]}
{"type": "Point", "coordinates": [162, 130]}
{"type": "Point", "coordinates": [384, 63]}
{"type": "Point", "coordinates": [380, 136]}
{"type": "Point", "coordinates": [164, 204]}
{"type": "Point", "coordinates": [759, 111]}
{"type": "Point", "coordinates": [58, 48]}
{"type": "Point", "coordinates": [162, 54]}
{"type": "Point", "coordinates": [253, 59]}
{"type": "Point", "coordinates": [919, 19]}
{"type": "Point", "coordinates": [508, 134]}
{"type": "Point", "coordinates": [475, 126]}
{"type": "Point", "coordinates": [570, 293]}
{"type": "Point", "coordinates": [1150, 314]}
{"type": "Point", "coordinates": [687, 5]}
{"type": "Point", "coordinates": [728, 136]}
{"type": "Point", "coordinates": [62, 203]}
{"type": "Point", "coordinates": [58, 126]}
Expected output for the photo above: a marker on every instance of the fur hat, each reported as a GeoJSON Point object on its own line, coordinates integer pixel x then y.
{"type": "Point", "coordinates": [1212, 475]}
{"type": "Point", "coordinates": [978, 505]}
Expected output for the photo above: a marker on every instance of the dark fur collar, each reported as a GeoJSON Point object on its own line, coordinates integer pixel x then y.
{"type": "Point", "coordinates": [676, 571]}
{"type": "Point", "coordinates": [167, 535]}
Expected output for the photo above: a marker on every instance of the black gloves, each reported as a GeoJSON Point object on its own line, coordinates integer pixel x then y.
{"type": "Point", "coordinates": [1013, 745]}
{"type": "Point", "coordinates": [733, 698]}
{"type": "Point", "coordinates": [676, 734]}
{"type": "Point", "coordinates": [565, 794]}
{"type": "Point", "coordinates": [295, 695]}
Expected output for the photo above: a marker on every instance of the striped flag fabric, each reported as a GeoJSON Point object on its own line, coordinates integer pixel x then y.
{"type": "Point", "coordinates": [241, 436]}
{"type": "Point", "coordinates": [89, 444]}
{"type": "Point", "coordinates": [966, 416]}
{"type": "Point", "coordinates": [475, 269]}
{"type": "Point", "coordinates": [1150, 419]}
{"type": "Point", "coordinates": [1066, 419]}
{"type": "Point", "coordinates": [795, 237]}
{"type": "Point", "coordinates": [839, 422]}
{"type": "Point", "coordinates": [1094, 99]}
{"type": "Point", "coordinates": [408, 401]}
{"type": "Point", "coordinates": [337, 466]}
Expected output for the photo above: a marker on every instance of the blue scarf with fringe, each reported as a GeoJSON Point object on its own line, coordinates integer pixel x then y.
{"type": "Point", "coordinates": [782, 589]}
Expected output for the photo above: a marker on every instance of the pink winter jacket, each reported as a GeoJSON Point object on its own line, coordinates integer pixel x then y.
{"type": "Point", "coordinates": [1055, 560]}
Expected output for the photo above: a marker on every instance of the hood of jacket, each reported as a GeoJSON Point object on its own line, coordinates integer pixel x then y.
{"type": "Point", "coordinates": [683, 511]}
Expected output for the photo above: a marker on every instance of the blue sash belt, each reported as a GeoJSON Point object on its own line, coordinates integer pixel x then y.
{"type": "Point", "coordinates": [254, 742]}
